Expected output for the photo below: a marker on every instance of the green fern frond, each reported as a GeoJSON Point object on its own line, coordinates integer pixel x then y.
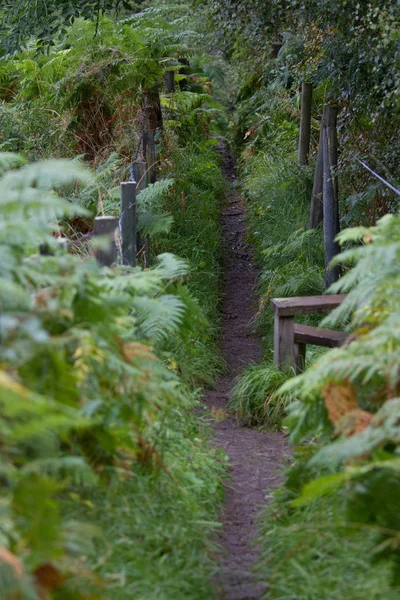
{"type": "Point", "coordinates": [74, 468]}
{"type": "Point", "coordinates": [153, 225]}
{"type": "Point", "coordinates": [171, 267]}
{"type": "Point", "coordinates": [159, 318]}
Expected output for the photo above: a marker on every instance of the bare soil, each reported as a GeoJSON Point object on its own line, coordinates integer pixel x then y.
{"type": "Point", "coordinates": [255, 457]}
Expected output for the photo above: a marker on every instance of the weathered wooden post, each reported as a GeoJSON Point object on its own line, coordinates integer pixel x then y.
{"type": "Point", "coordinates": [154, 123]}
{"type": "Point", "coordinates": [316, 208]}
{"type": "Point", "coordinates": [149, 151]}
{"type": "Point", "coordinates": [127, 223]}
{"type": "Point", "coordinates": [170, 81]}
{"type": "Point", "coordinates": [106, 226]}
{"type": "Point", "coordinates": [284, 350]}
{"type": "Point", "coordinates": [330, 192]}
{"type": "Point", "coordinates": [153, 110]}
{"type": "Point", "coordinates": [305, 122]}
{"type": "Point", "coordinates": [139, 171]}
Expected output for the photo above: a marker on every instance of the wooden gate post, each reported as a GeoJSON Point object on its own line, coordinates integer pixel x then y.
{"type": "Point", "coordinates": [330, 192]}
{"type": "Point", "coordinates": [284, 350]}
{"type": "Point", "coordinates": [127, 223]}
{"type": "Point", "coordinates": [316, 208]}
{"type": "Point", "coordinates": [106, 226]}
{"type": "Point", "coordinates": [305, 122]}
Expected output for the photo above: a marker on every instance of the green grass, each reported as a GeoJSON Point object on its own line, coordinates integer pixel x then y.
{"type": "Point", "coordinates": [309, 554]}
{"type": "Point", "coordinates": [195, 202]}
{"type": "Point", "coordinates": [157, 524]}
{"type": "Point", "coordinates": [254, 397]}
{"type": "Point", "coordinates": [164, 522]}
{"type": "Point", "coordinates": [289, 256]}
{"type": "Point", "coordinates": [291, 263]}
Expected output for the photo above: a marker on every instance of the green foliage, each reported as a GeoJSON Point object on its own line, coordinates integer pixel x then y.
{"type": "Point", "coordinates": [364, 455]}
{"type": "Point", "coordinates": [84, 379]}
{"type": "Point", "coordinates": [314, 553]}
{"type": "Point", "coordinates": [290, 258]}
{"type": "Point", "coordinates": [321, 40]}
{"type": "Point", "coordinates": [106, 476]}
{"type": "Point", "coordinates": [194, 202]}
{"type": "Point", "coordinates": [150, 201]}
{"type": "Point", "coordinates": [162, 524]}
{"type": "Point", "coordinates": [46, 20]}
{"type": "Point", "coordinates": [89, 88]}
{"type": "Point", "coordinates": [254, 398]}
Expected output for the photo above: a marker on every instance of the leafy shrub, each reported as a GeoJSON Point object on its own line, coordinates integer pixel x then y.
{"type": "Point", "coordinates": [86, 393]}
{"type": "Point", "coordinates": [291, 258]}
{"type": "Point", "coordinates": [354, 389]}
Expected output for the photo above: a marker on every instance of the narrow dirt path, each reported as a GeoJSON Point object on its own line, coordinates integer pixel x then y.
{"type": "Point", "coordinates": [255, 457]}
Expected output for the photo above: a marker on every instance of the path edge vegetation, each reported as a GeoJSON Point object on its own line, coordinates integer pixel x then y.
{"type": "Point", "coordinates": [109, 484]}
{"type": "Point", "coordinates": [331, 530]}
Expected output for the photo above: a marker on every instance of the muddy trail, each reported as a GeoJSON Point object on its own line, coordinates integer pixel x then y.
{"type": "Point", "coordinates": [255, 457]}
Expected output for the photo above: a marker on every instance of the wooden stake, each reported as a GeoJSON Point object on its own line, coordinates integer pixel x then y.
{"type": "Point", "coordinates": [284, 350]}
{"type": "Point", "coordinates": [330, 192]}
{"type": "Point", "coordinates": [139, 170]}
{"type": "Point", "coordinates": [305, 122]}
{"type": "Point", "coordinates": [154, 112]}
{"type": "Point", "coordinates": [106, 226]}
{"type": "Point", "coordinates": [127, 223]}
{"type": "Point", "coordinates": [316, 209]}
{"type": "Point", "coordinates": [149, 150]}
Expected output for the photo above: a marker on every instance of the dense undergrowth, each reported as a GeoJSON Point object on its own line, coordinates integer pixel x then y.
{"type": "Point", "coordinates": [332, 530]}
{"type": "Point", "coordinates": [109, 487]}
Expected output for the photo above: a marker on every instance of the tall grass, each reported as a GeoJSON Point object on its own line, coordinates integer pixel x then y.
{"type": "Point", "coordinates": [194, 202]}
{"type": "Point", "coordinates": [254, 397]}
{"type": "Point", "coordinates": [313, 554]}
{"type": "Point", "coordinates": [157, 526]}
{"type": "Point", "coordinates": [291, 262]}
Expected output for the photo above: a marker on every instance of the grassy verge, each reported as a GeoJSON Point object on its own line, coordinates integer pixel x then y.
{"type": "Point", "coordinates": [135, 495]}
{"type": "Point", "coordinates": [195, 202]}
{"type": "Point", "coordinates": [310, 554]}
{"type": "Point", "coordinates": [157, 524]}
{"type": "Point", "coordinates": [290, 259]}
{"type": "Point", "coordinates": [341, 545]}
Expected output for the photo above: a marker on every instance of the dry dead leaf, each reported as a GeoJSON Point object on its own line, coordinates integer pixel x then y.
{"type": "Point", "coordinates": [133, 350]}
{"type": "Point", "coordinates": [47, 578]}
{"type": "Point", "coordinates": [354, 422]}
{"type": "Point", "coordinates": [340, 399]}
